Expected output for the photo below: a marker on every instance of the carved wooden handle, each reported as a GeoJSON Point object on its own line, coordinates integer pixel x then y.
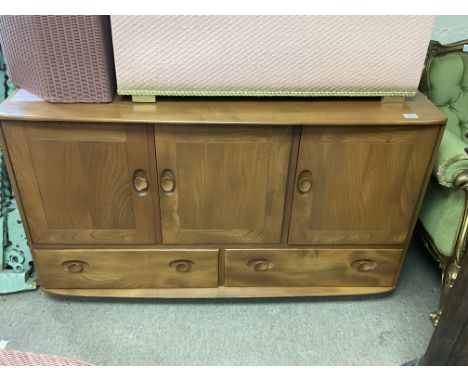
{"type": "Point", "coordinates": [74, 266]}
{"type": "Point", "coordinates": [260, 265]}
{"type": "Point", "coordinates": [181, 265]}
{"type": "Point", "coordinates": [304, 182]}
{"type": "Point", "coordinates": [140, 182]}
{"type": "Point", "coordinates": [364, 265]}
{"type": "Point", "coordinates": [167, 181]}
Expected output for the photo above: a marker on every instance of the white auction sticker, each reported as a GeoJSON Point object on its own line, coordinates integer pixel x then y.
{"type": "Point", "coordinates": [411, 116]}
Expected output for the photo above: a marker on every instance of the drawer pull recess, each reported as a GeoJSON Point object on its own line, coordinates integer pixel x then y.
{"type": "Point", "coordinates": [182, 265]}
{"type": "Point", "coordinates": [260, 265]}
{"type": "Point", "coordinates": [364, 265]}
{"type": "Point", "coordinates": [74, 266]}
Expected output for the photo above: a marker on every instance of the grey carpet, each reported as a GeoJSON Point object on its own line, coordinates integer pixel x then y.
{"type": "Point", "coordinates": [378, 330]}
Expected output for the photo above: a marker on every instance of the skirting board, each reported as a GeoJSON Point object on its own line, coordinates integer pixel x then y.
{"type": "Point", "coordinates": [221, 292]}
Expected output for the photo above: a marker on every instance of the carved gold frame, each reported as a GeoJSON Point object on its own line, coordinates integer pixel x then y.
{"type": "Point", "coordinates": [450, 265]}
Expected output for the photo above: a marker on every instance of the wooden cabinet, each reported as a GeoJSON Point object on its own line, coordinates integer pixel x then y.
{"type": "Point", "coordinates": [78, 182]}
{"type": "Point", "coordinates": [227, 198]}
{"type": "Point", "coordinates": [222, 184]}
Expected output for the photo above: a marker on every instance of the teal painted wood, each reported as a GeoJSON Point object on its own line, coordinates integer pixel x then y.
{"type": "Point", "coordinates": [16, 266]}
{"type": "Point", "coordinates": [6, 86]}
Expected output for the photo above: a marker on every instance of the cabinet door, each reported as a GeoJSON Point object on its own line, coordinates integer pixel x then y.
{"type": "Point", "coordinates": [359, 185]}
{"type": "Point", "coordinates": [222, 184]}
{"type": "Point", "coordinates": [86, 183]}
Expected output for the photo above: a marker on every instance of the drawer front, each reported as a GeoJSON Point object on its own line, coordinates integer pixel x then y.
{"type": "Point", "coordinates": [127, 269]}
{"type": "Point", "coordinates": [311, 267]}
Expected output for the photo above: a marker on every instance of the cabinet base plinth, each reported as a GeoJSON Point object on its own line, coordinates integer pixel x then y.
{"type": "Point", "coordinates": [221, 292]}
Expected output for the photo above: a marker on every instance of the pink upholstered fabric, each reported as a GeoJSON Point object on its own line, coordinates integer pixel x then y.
{"type": "Point", "coordinates": [19, 358]}
{"type": "Point", "coordinates": [60, 58]}
{"type": "Point", "coordinates": [270, 55]}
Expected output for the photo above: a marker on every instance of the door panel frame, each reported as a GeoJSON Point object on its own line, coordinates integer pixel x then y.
{"type": "Point", "coordinates": [302, 212]}
{"type": "Point", "coordinates": [147, 230]}
{"type": "Point", "coordinates": [165, 142]}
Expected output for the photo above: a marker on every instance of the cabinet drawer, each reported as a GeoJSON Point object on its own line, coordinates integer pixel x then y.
{"type": "Point", "coordinates": [311, 267]}
{"type": "Point", "coordinates": [132, 269]}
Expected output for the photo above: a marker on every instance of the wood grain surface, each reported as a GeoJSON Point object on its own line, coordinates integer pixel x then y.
{"type": "Point", "coordinates": [76, 181]}
{"type": "Point", "coordinates": [131, 268]}
{"type": "Point", "coordinates": [365, 184]}
{"type": "Point", "coordinates": [266, 111]}
{"type": "Point", "coordinates": [311, 267]}
{"type": "Point", "coordinates": [229, 183]}
{"type": "Point", "coordinates": [221, 292]}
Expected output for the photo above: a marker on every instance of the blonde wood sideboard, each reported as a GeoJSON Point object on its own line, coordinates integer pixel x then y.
{"type": "Point", "coordinates": [219, 197]}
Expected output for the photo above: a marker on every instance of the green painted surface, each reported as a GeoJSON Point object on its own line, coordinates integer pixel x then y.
{"type": "Point", "coordinates": [16, 267]}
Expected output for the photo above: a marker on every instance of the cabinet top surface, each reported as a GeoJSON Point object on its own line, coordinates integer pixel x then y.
{"type": "Point", "coordinates": [312, 111]}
